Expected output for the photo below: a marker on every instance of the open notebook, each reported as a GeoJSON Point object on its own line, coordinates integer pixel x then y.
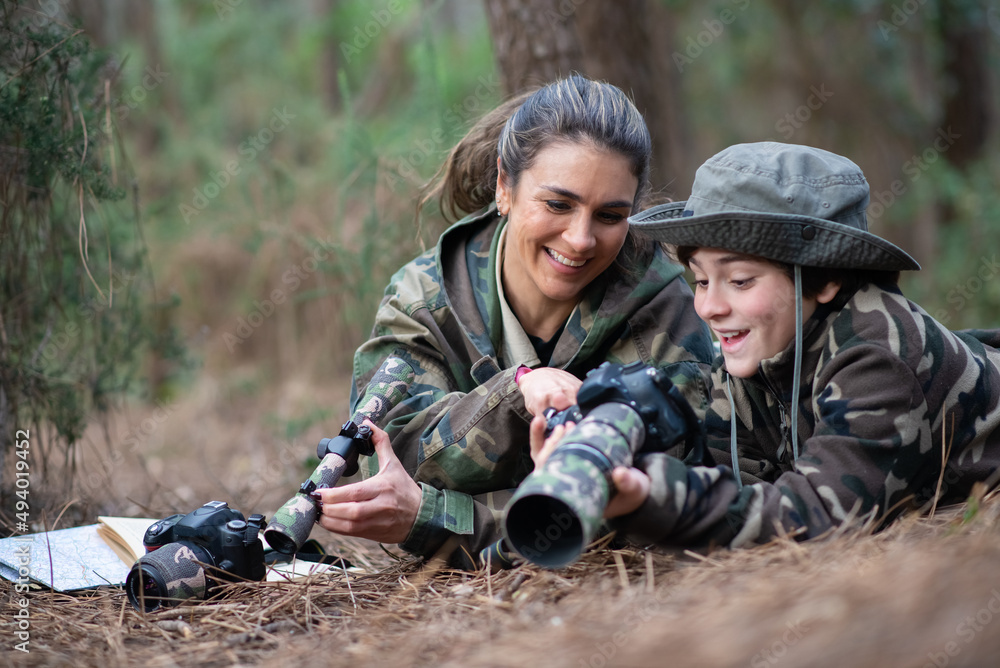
{"type": "Point", "coordinates": [100, 555]}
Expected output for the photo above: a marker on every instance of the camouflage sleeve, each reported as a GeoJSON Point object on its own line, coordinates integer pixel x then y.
{"type": "Point", "coordinates": [465, 442]}
{"type": "Point", "coordinates": [469, 522]}
{"type": "Point", "coordinates": [447, 439]}
{"type": "Point", "coordinates": [868, 451]}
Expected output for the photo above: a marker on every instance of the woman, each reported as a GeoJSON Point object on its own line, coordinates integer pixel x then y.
{"type": "Point", "coordinates": [517, 302]}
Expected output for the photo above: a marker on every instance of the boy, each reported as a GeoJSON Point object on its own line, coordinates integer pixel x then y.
{"type": "Point", "coordinates": [834, 395]}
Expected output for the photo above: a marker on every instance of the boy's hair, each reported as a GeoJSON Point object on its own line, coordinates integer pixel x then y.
{"type": "Point", "coordinates": [814, 279]}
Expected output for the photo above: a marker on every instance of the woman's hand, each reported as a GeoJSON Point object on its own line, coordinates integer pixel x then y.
{"type": "Point", "coordinates": [547, 387]}
{"type": "Point", "coordinates": [632, 485]}
{"type": "Point", "coordinates": [382, 508]}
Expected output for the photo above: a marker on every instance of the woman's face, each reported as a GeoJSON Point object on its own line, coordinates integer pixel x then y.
{"type": "Point", "coordinates": [568, 217]}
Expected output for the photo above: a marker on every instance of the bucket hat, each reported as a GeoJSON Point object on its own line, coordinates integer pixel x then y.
{"type": "Point", "coordinates": [785, 202]}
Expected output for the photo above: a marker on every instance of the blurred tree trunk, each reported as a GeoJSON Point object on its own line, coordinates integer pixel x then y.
{"type": "Point", "coordinates": [967, 79]}
{"type": "Point", "coordinates": [329, 59]}
{"type": "Point", "coordinates": [537, 41]}
{"type": "Point", "coordinates": [533, 41]}
{"type": "Point", "coordinates": [629, 43]}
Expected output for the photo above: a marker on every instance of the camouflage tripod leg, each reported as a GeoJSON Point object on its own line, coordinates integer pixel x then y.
{"type": "Point", "coordinates": [291, 524]}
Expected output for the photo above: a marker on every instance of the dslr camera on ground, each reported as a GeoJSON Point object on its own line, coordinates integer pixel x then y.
{"type": "Point", "coordinates": [188, 555]}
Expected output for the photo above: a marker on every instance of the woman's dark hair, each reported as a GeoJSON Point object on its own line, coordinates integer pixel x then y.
{"type": "Point", "coordinates": [814, 279]}
{"type": "Point", "coordinates": [575, 109]}
{"type": "Point", "coordinates": [467, 181]}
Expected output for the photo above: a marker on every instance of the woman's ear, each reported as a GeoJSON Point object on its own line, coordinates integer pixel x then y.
{"type": "Point", "coordinates": [503, 193]}
{"type": "Point", "coordinates": [828, 292]}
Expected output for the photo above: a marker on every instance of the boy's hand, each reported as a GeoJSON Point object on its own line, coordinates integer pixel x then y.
{"type": "Point", "coordinates": [633, 488]}
{"type": "Point", "coordinates": [631, 483]}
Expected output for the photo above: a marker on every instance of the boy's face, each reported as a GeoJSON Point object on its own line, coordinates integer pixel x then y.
{"type": "Point", "coordinates": [748, 303]}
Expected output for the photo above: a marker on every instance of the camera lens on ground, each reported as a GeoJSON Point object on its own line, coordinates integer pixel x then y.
{"type": "Point", "coordinates": [167, 576]}
{"type": "Point", "coordinates": [145, 587]}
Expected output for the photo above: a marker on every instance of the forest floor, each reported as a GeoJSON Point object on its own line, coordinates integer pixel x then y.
{"type": "Point", "coordinates": [925, 592]}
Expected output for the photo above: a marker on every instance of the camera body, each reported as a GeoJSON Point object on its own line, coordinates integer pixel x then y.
{"type": "Point", "coordinates": [665, 413]}
{"type": "Point", "coordinates": [181, 548]}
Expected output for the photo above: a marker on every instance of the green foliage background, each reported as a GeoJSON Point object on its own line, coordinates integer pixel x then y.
{"type": "Point", "coordinates": [74, 287]}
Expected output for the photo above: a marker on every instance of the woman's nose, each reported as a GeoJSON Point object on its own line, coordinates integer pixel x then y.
{"type": "Point", "coordinates": [578, 234]}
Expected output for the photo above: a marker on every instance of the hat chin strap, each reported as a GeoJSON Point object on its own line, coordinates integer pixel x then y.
{"type": "Point", "coordinates": [732, 433]}
{"type": "Point", "coordinates": [797, 369]}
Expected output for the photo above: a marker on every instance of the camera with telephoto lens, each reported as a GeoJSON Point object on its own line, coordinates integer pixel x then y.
{"type": "Point", "coordinates": [621, 411]}
{"type": "Point", "coordinates": [187, 555]}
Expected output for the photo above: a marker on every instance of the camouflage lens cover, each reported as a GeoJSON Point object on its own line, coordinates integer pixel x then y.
{"type": "Point", "coordinates": [558, 509]}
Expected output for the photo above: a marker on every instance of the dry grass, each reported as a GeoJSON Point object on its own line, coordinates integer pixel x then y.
{"type": "Point", "coordinates": [924, 592]}
{"type": "Point", "coordinates": [905, 597]}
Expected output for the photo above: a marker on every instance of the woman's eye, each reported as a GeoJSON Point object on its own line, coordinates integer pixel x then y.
{"type": "Point", "coordinates": [557, 205]}
{"type": "Point", "coordinates": [741, 282]}
{"type": "Point", "coordinates": [611, 217]}
{"type": "Point", "coordinates": [703, 283]}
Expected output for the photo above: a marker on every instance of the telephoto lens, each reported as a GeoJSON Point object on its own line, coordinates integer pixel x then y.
{"type": "Point", "coordinates": [622, 411]}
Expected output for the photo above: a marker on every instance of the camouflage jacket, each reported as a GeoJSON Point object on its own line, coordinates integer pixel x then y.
{"type": "Point", "coordinates": [462, 432]}
{"type": "Point", "coordinates": [884, 387]}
